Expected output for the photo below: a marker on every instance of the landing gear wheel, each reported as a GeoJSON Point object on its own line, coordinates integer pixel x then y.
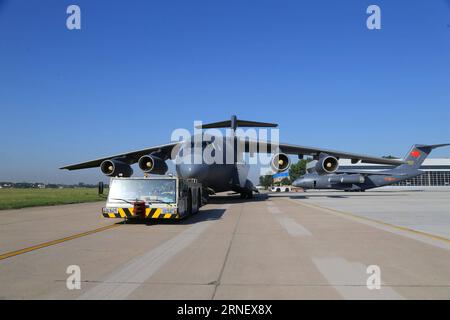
{"type": "Point", "coordinates": [247, 195]}
{"type": "Point", "coordinates": [189, 203]}
{"type": "Point", "coordinates": [199, 201]}
{"type": "Point", "coordinates": [195, 206]}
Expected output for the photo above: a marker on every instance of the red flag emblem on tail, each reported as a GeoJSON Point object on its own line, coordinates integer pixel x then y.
{"type": "Point", "coordinates": [415, 154]}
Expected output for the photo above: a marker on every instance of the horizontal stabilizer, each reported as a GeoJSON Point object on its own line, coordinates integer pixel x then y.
{"type": "Point", "coordinates": [235, 123]}
{"type": "Point", "coordinates": [434, 146]}
{"type": "Point", "coordinates": [240, 123]}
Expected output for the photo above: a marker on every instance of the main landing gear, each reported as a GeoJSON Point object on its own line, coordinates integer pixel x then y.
{"type": "Point", "coordinates": [247, 195]}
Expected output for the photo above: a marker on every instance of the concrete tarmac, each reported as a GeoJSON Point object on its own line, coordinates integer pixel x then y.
{"type": "Point", "coordinates": [426, 209]}
{"type": "Point", "coordinates": [271, 247]}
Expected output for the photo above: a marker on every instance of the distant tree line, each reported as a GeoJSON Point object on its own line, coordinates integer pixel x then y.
{"type": "Point", "coordinates": [39, 185]}
{"type": "Point", "coordinates": [296, 170]}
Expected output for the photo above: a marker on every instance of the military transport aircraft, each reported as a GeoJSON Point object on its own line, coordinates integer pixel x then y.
{"type": "Point", "coordinates": [225, 176]}
{"type": "Point", "coordinates": [361, 180]}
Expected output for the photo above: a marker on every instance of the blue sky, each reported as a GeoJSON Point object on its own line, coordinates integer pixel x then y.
{"type": "Point", "coordinates": [139, 69]}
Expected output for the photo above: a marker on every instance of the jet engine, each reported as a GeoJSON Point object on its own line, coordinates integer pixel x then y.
{"type": "Point", "coordinates": [327, 164]}
{"type": "Point", "coordinates": [280, 162]}
{"type": "Point", "coordinates": [114, 168]}
{"type": "Point", "coordinates": [152, 164]}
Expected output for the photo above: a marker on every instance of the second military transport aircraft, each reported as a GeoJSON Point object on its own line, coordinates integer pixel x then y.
{"type": "Point", "coordinates": [225, 176]}
{"type": "Point", "coordinates": [361, 180]}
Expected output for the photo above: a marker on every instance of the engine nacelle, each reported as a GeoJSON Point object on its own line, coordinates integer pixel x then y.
{"type": "Point", "coordinates": [280, 162]}
{"type": "Point", "coordinates": [115, 168]}
{"type": "Point", "coordinates": [152, 164]}
{"type": "Point", "coordinates": [326, 165]}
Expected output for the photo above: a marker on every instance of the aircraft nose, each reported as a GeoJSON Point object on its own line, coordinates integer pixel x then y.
{"type": "Point", "coordinates": [298, 183]}
{"type": "Point", "coordinates": [197, 171]}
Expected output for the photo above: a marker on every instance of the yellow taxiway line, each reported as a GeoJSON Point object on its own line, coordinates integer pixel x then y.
{"type": "Point", "coordinates": [51, 243]}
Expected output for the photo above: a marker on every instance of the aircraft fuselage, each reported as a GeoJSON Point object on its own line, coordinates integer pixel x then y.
{"type": "Point", "coordinates": [221, 175]}
{"type": "Point", "coordinates": [334, 181]}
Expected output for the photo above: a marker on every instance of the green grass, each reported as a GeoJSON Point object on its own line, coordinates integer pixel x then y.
{"type": "Point", "coordinates": [23, 198]}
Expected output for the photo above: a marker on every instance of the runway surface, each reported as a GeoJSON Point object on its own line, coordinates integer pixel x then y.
{"type": "Point", "coordinates": [283, 246]}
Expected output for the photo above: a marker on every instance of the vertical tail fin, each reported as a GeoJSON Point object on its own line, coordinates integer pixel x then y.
{"type": "Point", "coordinates": [418, 153]}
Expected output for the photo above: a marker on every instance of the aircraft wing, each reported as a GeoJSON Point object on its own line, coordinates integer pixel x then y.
{"type": "Point", "coordinates": [164, 150]}
{"type": "Point", "coordinates": [313, 151]}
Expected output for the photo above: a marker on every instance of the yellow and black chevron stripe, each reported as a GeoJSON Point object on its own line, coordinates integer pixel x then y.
{"type": "Point", "coordinates": [151, 213]}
